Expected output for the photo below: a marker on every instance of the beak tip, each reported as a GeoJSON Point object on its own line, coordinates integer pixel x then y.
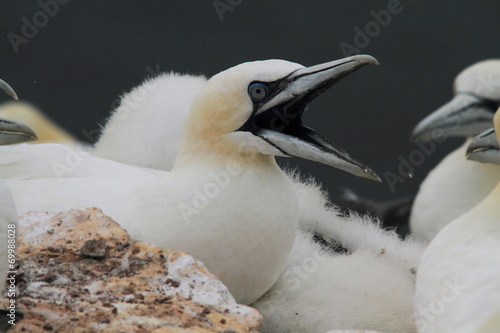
{"type": "Point", "coordinates": [368, 59]}
{"type": "Point", "coordinates": [8, 89]}
{"type": "Point", "coordinates": [370, 174]}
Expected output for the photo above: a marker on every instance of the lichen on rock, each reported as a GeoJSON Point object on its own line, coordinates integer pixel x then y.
{"type": "Point", "coordinates": [79, 271]}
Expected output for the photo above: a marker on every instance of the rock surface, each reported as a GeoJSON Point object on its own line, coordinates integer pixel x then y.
{"type": "Point", "coordinates": [79, 271]}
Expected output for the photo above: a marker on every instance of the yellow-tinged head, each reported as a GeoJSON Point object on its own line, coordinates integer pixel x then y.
{"type": "Point", "coordinates": [226, 98]}
{"type": "Point", "coordinates": [256, 109]}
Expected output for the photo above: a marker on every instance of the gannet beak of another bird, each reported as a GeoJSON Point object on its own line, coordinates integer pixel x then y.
{"type": "Point", "coordinates": [277, 114]}
{"type": "Point", "coordinates": [471, 111]}
{"type": "Point", "coordinates": [484, 147]}
{"type": "Point", "coordinates": [12, 132]}
{"type": "Point", "coordinates": [8, 89]}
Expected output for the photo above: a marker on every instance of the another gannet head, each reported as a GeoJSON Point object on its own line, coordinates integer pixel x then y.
{"type": "Point", "coordinates": [477, 97]}
{"type": "Point", "coordinates": [10, 131]}
{"type": "Point", "coordinates": [486, 146]}
{"type": "Point", "coordinates": [256, 109]}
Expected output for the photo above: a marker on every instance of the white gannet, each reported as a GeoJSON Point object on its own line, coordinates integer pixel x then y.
{"type": "Point", "coordinates": [226, 201]}
{"type": "Point", "coordinates": [458, 284]}
{"type": "Point", "coordinates": [367, 283]}
{"type": "Point", "coordinates": [11, 131]}
{"type": "Point", "coordinates": [441, 198]}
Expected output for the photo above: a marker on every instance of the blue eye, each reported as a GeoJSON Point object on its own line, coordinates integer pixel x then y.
{"type": "Point", "coordinates": [258, 91]}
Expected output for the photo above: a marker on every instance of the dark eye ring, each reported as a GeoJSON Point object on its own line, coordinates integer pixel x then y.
{"type": "Point", "coordinates": [258, 91]}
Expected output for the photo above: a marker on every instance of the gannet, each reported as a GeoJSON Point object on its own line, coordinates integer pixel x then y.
{"type": "Point", "coordinates": [11, 131]}
{"type": "Point", "coordinates": [226, 201]}
{"type": "Point", "coordinates": [458, 285]}
{"type": "Point", "coordinates": [441, 198]}
{"type": "Point", "coordinates": [371, 285]}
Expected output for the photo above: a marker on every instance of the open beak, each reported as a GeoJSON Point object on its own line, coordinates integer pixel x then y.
{"type": "Point", "coordinates": [464, 116]}
{"type": "Point", "coordinates": [484, 148]}
{"type": "Point", "coordinates": [8, 89]}
{"type": "Point", "coordinates": [12, 132]}
{"type": "Point", "coordinates": [278, 120]}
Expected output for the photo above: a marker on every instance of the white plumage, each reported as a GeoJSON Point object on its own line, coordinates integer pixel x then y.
{"type": "Point", "coordinates": [168, 94]}
{"type": "Point", "coordinates": [151, 207]}
{"type": "Point", "coordinates": [456, 185]}
{"type": "Point", "coordinates": [458, 285]}
{"type": "Point", "coordinates": [370, 287]}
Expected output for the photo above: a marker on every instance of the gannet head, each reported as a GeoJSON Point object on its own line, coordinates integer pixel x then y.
{"type": "Point", "coordinates": [477, 97]}
{"type": "Point", "coordinates": [485, 147]}
{"type": "Point", "coordinates": [256, 109]}
{"type": "Point", "coordinates": [10, 131]}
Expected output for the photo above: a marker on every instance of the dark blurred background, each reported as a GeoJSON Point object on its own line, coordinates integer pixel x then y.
{"type": "Point", "coordinates": [81, 55]}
